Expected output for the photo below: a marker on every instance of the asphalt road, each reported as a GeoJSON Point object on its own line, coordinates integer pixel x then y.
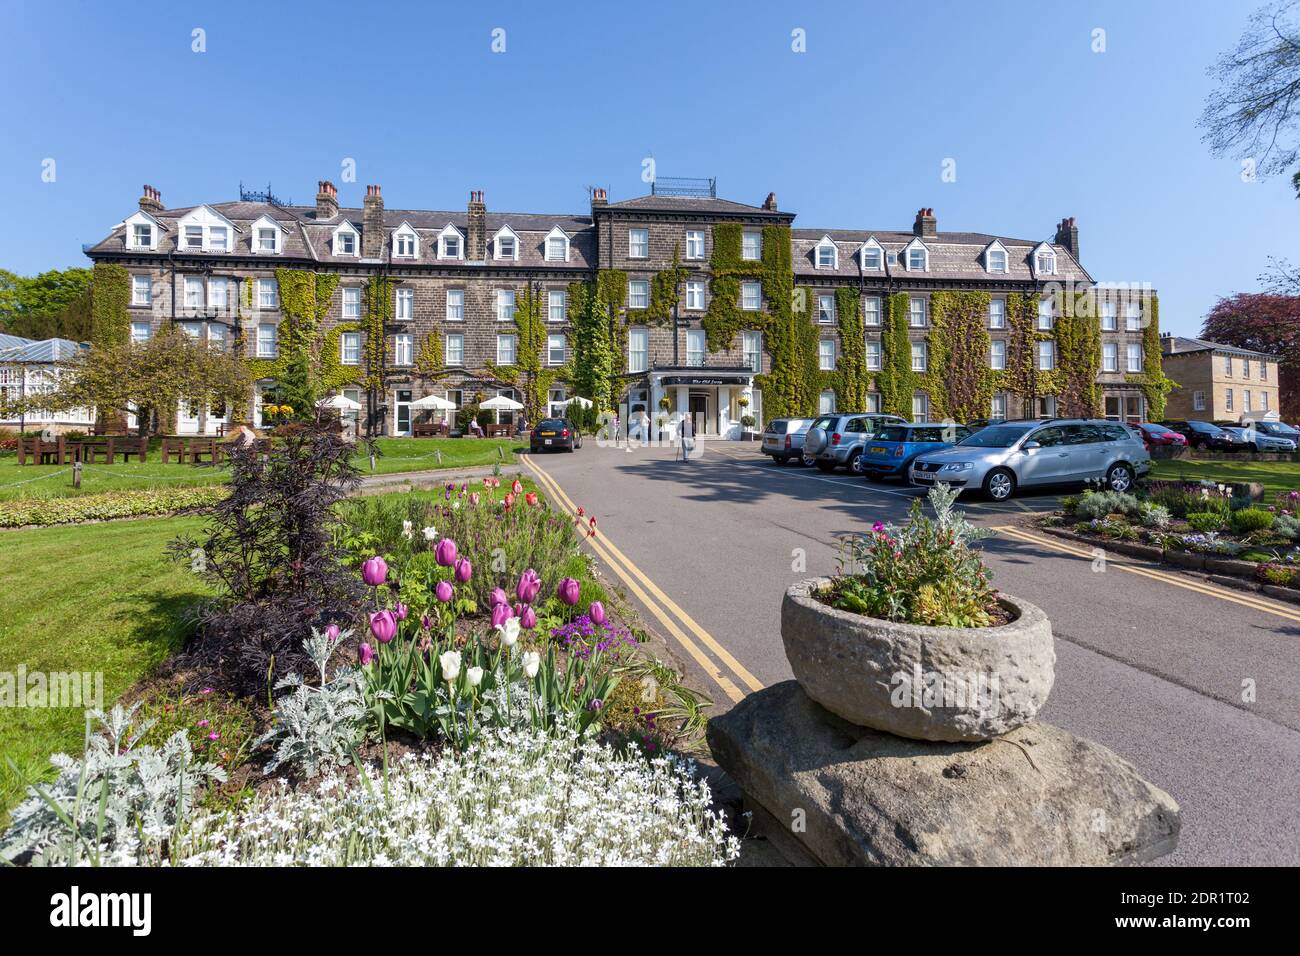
{"type": "Point", "coordinates": [1150, 663]}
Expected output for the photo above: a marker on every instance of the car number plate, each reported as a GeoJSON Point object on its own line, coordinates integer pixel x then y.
{"type": "Point", "coordinates": [547, 441]}
{"type": "Point", "coordinates": [877, 450]}
{"type": "Point", "coordinates": [548, 433]}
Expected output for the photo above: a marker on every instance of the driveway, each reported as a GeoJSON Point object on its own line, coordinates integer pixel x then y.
{"type": "Point", "coordinates": [1195, 685]}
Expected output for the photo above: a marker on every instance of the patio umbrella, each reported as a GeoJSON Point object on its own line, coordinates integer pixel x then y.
{"type": "Point", "coordinates": [584, 402]}
{"type": "Point", "coordinates": [341, 402]}
{"type": "Point", "coordinates": [433, 401]}
{"type": "Point", "coordinates": [501, 403]}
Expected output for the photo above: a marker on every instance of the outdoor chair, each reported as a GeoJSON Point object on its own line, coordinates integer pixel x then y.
{"type": "Point", "coordinates": [173, 447]}
{"type": "Point", "coordinates": [201, 447]}
{"type": "Point", "coordinates": [126, 447]}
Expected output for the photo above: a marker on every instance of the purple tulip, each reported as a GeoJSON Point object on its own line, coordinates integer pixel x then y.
{"type": "Point", "coordinates": [498, 597]}
{"type": "Point", "coordinates": [374, 571]}
{"type": "Point", "coordinates": [383, 625]}
{"type": "Point", "coordinates": [530, 583]}
{"type": "Point", "coordinates": [463, 570]}
{"type": "Point", "coordinates": [596, 612]}
{"type": "Point", "coordinates": [528, 620]}
{"type": "Point", "coordinates": [332, 632]}
{"type": "Point", "coordinates": [367, 654]}
{"type": "Point", "coordinates": [400, 611]}
{"type": "Point", "coordinates": [568, 591]}
{"type": "Point", "coordinates": [500, 614]}
{"type": "Point", "coordinates": [443, 591]}
{"type": "Point", "coordinates": [445, 552]}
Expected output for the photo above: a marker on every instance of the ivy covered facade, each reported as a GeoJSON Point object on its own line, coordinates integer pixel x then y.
{"type": "Point", "coordinates": [650, 307]}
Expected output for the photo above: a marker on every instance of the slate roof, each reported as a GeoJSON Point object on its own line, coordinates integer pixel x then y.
{"type": "Point", "coordinates": [37, 352]}
{"type": "Point", "coordinates": [695, 204]}
{"type": "Point", "coordinates": [1187, 346]}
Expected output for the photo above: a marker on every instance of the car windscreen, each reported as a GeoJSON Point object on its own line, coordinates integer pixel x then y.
{"type": "Point", "coordinates": [1281, 429]}
{"type": "Point", "coordinates": [997, 436]}
{"type": "Point", "coordinates": [551, 423]}
{"type": "Point", "coordinates": [826, 422]}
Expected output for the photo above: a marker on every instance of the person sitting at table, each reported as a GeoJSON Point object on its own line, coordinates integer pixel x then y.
{"type": "Point", "coordinates": [475, 428]}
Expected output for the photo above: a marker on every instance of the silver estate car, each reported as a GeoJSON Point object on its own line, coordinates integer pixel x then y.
{"type": "Point", "coordinates": [783, 439]}
{"type": "Point", "coordinates": [1001, 458]}
{"type": "Point", "coordinates": [837, 440]}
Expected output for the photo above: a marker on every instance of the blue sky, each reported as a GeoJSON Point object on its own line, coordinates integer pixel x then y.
{"type": "Point", "coordinates": [850, 134]}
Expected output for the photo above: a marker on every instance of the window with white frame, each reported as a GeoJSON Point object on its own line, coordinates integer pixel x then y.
{"type": "Point", "coordinates": [405, 305]}
{"type": "Point", "coordinates": [404, 244]}
{"type": "Point", "coordinates": [998, 354]}
{"type": "Point", "coordinates": [267, 239]}
{"type": "Point", "coordinates": [1108, 317]}
{"type": "Point", "coordinates": [998, 406]}
{"type": "Point", "coordinates": [920, 407]}
{"type": "Point", "coordinates": [638, 294]}
{"type": "Point", "coordinates": [350, 348]}
{"type": "Point", "coordinates": [1227, 399]}
{"type": "Point", "coordinates": [638, 350]}
{"type": "Point", "coordinates": [217, 337]}
{"type": "Point", "coordinates": [873, 356]}
{"type": "Point", "coordinates": [751, 296]}
{"type": "Point", "coordinates": [1134, 354]}
{"type": "Point", "coordinates": [1046, 263]}
{"type": "Point", "coordinates": [507, 346]}
{"type": "Point", "coordinates": [555, 348]}
{"type": "Point", "coordinates": [194, 237]}
{"type": "Point", "coordinates": [1133, 317]}
{"type": "Point", "coordinates": [997, 313]}
{"type": "Point", "coordinates": [448, 244]}
{"type": "Point", "coordinates": [1047, 406]}
{"type": "Point", "coordinates": [694, 295]}
{"type": "Point", "coordinates": [192, 329]}
{"type": "Point", "coordinates": [873, 402]}
{"type": "Point", "coordinates": [268, 340]}
{"type": "Point", "coordinates": [1046, 313]}
{"type": "Point", "coordinates": [141, 290]}
{"type": "Point", "coordinates": [1245, 368]}
{"type": "Point", "coordinates": [508, 246]}
{"type": "Point", "coordinates": [345, 243]}
{"type": "Point", "coordinates": [916, 312]}
{"type": "Point", "coordinates": [1263, 401]}
{"type": "Point", "coordinates": [403, 349]}
{"type": "Point", "coordinates": [826, 355]}
{"type": "Point", "coordinates": [218, 293]}
{"type": "Point", "coordinates": [828, 256]}
{"type": "Point", "coordinates": [455, 349]}
{"type": "Point", "coordinates": [695, 347]}
{"type": "Point", "coordinates": [638, 243]}
{"type": "Point", "coordinates": [219, 239]}
{"type": "Point", "coordinates": [140, 331]}
{"type": "Point", "coordinates": [557, 248]}
{"type": "Point", "coordinates": [918, 259]}
{"type": "Point", "coordinates": [826, 309]}
{"type": "Point", "coordinates": [1198, 400]}
{"type": "Point", "coordinates": [920, 356]}
{"type": "Point", "coordinates": [872, 258]}
{"type": "Point", "coordinates": [751, 344]}
{"type": "Point", "coordinates": [142, 235]}
{"type": "Point", "coordinates": [352, 302]}
{"type": "Point", "coordinates": [193, 293]}
{"type": "Point", "coordinates": [1245, 401]}
{"type": "Point", "coordinates": [694, 243]}
{"type": "Point", "coordinates": [557, 305]}
{"type": "Point", "coordinates": [1110, 357]}
{"type": "Point", "coordinates": [1227, 365]}
{"type": "Point", "coordinates": [751, 246]}
{"type": "Point", "coordinates": [996, 260]}
{"type": "Point", "coordinates": [1046, 356]}
{"type": "Point", "coordinates": [505, 305]}
{"type": "Point", "coordinates": [455, 305]}
{"type": "Point", "coordinates": [871, 310]}
{"type": "Point", "coordinates": [826, 402]}
{"type": "Point", "coordinates": [268, 294]}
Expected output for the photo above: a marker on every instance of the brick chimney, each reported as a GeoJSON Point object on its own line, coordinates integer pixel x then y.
{"type": "Point", "coordinates": [151, 200]}
{"type": "Point", "coordinates": [476, 231]}
{"type": "Point", "coordinates": [770, 202]}
{"type": "Point", "coordinates": [599, 197]}
{"type": "Point", "coordinates": [926, 226]}
{"type": "Point", "coordinates": [372, 224]}
{"type": "Point", "coordinates": [1067, 234]}
{"type": "Point", "coordinates": [327, 200]}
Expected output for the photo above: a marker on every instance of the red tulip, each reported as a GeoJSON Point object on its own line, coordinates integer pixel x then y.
{"type": "Point", "coordinates": [516, 486]}
{"type": "Point", "coordinates": [531, 498]}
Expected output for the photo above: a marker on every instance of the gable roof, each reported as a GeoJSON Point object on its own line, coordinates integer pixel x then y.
{"type": "Point", "coordinates": [1176, 345]}
{"type": "Point", "coordinates": [659, 203]}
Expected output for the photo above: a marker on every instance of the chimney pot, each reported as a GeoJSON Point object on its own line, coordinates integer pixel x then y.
{"type": "Point", "coordinates": [599, 196]}
{"type": "Point", "coordinates": [770, 202]}
{"type": "Point", "coordinates": [926, 226]}
{"type": "Point", "coordinates": [151, 200]}
{"type": "Point", "coordinates": [327, 200]}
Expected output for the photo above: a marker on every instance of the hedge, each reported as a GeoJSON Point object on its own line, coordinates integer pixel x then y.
{"type": "Point", "coordinates": [140, 503]}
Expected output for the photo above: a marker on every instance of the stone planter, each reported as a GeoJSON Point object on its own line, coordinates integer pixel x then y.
{"type": "Point", "coordinates": [927, 683]}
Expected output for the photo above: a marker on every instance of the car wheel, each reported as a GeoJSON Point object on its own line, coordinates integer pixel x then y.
{"type": "Point", "coordinates": [825, 465]}
{"type": "Point", "coordinates": [1119, 478]}
{"type": "Point", "coordinates": [806, 462]}
{"type": "Point", "coordinates": [999, 484]}
{"type": "Point", "coordinates": [855, 463]}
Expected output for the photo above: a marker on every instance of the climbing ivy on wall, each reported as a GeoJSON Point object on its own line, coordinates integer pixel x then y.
{"type": "Point", "coordinates": [665, 293]}
{"type": "Point", "coordinates": [110, 294]}
{"type": "Point", "coordinates": [1020, 380]}
{"type": "Point", "coordinates": [896, 381]}
{"type": "Point", "coordinates": [1078, 355]}
{"type": "Point", "coordinates": [304, 348]}
{"type": "Point", "coordinates": [850, 380]}
{"type": "Point", "coordinates": [530, 373]}
{"type": "Point", "coordinates": [958, 378]}
{"type": "Point", "coordinates": [593, 358]}
{"type": "Point", "coordinates": [1155, 385]}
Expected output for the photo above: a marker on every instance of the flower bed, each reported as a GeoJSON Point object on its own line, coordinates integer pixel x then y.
{"type": "Point", "coordinates": [150, 502]}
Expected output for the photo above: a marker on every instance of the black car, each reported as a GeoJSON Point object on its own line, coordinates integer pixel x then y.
{"type": "Point", "coordinates": [1207, 435]}
{"type": "Point", "coordinates": [554, 433]}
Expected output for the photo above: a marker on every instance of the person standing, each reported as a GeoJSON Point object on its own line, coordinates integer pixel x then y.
{"type": "Point", "coordinates": [687, 431]}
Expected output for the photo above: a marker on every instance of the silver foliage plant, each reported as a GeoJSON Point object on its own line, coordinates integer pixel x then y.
{"type": "Point", "coordinates": [120, 804]}
{"type": "Point", "coordinates": [317, 726]}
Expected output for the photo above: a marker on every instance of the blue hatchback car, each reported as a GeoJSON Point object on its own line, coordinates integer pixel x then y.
{"type": "Point", "coordinates": [889, 452]}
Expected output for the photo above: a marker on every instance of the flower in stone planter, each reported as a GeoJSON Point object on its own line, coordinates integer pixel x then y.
{"type": "Point", "coordinates": [568, 591]}
{"type": "Point", "coordinates": [374, 571]}
{"type": "Point", "coordinates": [446, 552]}
{"type": "Point", "coordinates": [443, 591]}
{"type": "Point", "coordinates": [383, 625]}
{"type": "Point", "coordinates": [450, 661]}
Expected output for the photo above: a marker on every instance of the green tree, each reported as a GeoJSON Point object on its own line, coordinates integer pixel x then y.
{"type": "Point", "coordinates": [53, 304]}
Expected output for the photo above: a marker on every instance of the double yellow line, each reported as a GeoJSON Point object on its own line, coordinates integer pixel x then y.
{"type": "Point", "coordinates": [1210, 590]}
{"type": "Point", "coordinates": [684, 629]}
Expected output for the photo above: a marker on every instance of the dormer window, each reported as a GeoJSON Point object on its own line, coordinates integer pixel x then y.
{"type": "Point", "coordinates": [450, 243]}
{"type": "Point", "coordinates": [507, 247]}
{"type": "Point", "coordinates": [142, 235]}
{"type": "Point", "coordinates": [873, 256]}
{"type": "Point", "coordinates": [218, 239]}
{"type": "Point", "coordinates": [266, 236]}
{"type": "Point", "coordinates": [345, 240]}
{"type": "Point", "coordinates": [194, 238]}
{"type": "Point", "coordinates": [1045, 262]}
{"type": "Point", "coordinates": [406, 242]}
{"type": "Point", "coordinates": [203, 229]}
{"type": "Point", "coordinates": [918, 259]}
{"type": "Point", "coordinates": [557, 246]}
{"type": "Point", "coordinates": [266, 240]}
{"type": "Point", "coordinates": [826, 255]}
{"type": "Point", "coordinates": [995, 259]}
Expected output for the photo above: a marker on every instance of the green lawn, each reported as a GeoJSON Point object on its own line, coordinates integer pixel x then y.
{"type": "Point", "coordinates": [84, 598]}
{"type": "Point", "coordinates": [1275, 476]}
{"type": "Point", "coordinates": [397, 455]}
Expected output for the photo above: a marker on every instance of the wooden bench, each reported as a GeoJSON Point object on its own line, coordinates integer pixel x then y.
{"type": "Point", "coordinates": [127, 446]}
{"type": "Point", "coordinates": [430, 430]}
{"type": "Point", "coordinates": [499, 431]}
{"type": "Point", "coordinates": [90, 451]}
{"type": "Point", "coordinates": [201, 447]}
{"type": "Point", "coordinates": [41, 452]}
{"type": "Point", "coordinates": [173, 446]}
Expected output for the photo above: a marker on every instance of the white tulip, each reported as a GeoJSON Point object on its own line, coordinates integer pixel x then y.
{"type": "Point", "coordinates": [475, 675]}
{"type": "Point", "coordinates": [532, 662]}
{"type": "Point", "coordinates": [450, 661]}
{"type": "Point", "coordinates": [430, 534]}
{"type": "Point", "coordinates": [407, 529]}
{"type": "Point", "coordinates": [509, 631]}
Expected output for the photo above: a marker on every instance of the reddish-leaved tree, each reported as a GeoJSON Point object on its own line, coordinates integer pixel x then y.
{"type": "Point", "coordinates": [1265, 322]}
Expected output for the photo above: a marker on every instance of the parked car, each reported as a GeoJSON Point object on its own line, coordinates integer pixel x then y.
{"type": "Point", "coordinates": [551, 434]}
{"type": "Point", "coordinates": [891, 451]}
{"type": "Point", "coordinates": [837, 440]}
{"type": "Point", "coordinates": [783, 439]}
{"type": "Point", "coordinates": [1279, 430]}
{"type": "Point", "coordinates": [1021, 454]}
{"type": "Point", "coordinates": [1161, 435]}
{"type": "Point", "coordinates": [1260, 441]}
{"type": "Point", "coordinates": [1207, 435]}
